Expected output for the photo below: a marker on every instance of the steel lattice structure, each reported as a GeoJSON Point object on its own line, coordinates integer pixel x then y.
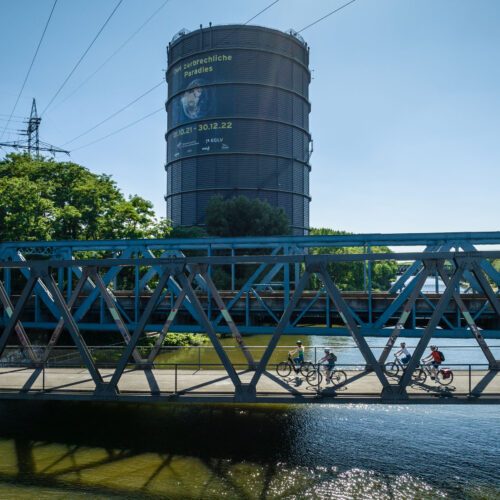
{"type": "Point", "coordinates": [173, 286]}
{"type": "Point", "coordinates": [259, 301]}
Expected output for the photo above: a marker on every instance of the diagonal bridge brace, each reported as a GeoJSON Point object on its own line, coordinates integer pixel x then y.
{"type": "Point", "coordinates": [168, 323]}
{"type": "Point", "coordinates": [176, 272]}
{"type": "Point", "coordinates": [494, 367]}
{"type": "Point", "coordinates": [415, 292]}
{"type": "Point", "coordinates": [431, 326]}
{"type": "Point", "coordinates": [345, 313]}
{"type": "Point", "coordinates": [19, 328]}
{"type": "Point", "coordinates": [202, 270]}
{"type": "Point", "coordinates": [352, 327]}
{"type": "Point", "coordinates": [39, 275]}
{"type": "Point", "coordinates": [469, 320]}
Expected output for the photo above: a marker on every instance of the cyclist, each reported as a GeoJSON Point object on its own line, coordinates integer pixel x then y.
{"type": "Point", "coordinates": [299, 351]}
{"type": "Point", "coordinates": [435, 358]}
{"type": "Point", "coordinates": [403, 354]}
{"type": "Point", "coordinates": [329, 360]}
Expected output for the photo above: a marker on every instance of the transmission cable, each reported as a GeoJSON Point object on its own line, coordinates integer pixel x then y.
{"type": "Point", "coordinates": [147, 92]}
{"type": "Point", "coordinates": [136, 32]}
{"type": "Point", "coordinates": [262, 11]}
{"type": "Point", "coordinates": [120, 129]}
{"type": "Point", "coordinates": [31, 65]}
{"type": "Point", "coordinates": [115, 113]}
{"type": "Point", "coordinates": [83, 56]}
{"type": "Point", "coordinates": [327, 15]}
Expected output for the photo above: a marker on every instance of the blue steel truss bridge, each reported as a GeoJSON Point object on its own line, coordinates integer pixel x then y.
{"type": "Point", "coordinates": [88, 319]}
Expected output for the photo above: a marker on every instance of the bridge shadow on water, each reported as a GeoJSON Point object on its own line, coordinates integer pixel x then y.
{"type": "Point", "coordinates": [69, 449]}
{"type": "Point", "coordinates": [117, 449]}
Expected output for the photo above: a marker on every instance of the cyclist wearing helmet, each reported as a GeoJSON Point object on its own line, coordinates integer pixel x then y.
{"type": "Point", "coordinates": [434, 358]}
{"type": "Point", "coordinates": [329, 362]}
{"type": "Point", "coordinates": [403, 354]}
{"type": "Point", "coordinates": [299, 351]}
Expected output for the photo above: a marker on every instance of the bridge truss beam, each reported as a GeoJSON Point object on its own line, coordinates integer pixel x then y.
{"type": "Point", "coordinates": [196, 296]}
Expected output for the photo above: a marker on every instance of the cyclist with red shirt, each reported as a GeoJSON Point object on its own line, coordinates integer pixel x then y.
{"type": "Point", "coordinates": [435, 359]}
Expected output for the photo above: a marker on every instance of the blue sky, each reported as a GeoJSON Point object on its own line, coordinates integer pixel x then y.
{"type": "Point", "coordinates": [405, 99]}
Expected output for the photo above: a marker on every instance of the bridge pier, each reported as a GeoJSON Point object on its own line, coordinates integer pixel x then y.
{"type": "Point", "coordinates": [107, 389]}
{"type": "Point", "coordinates": [393, 392]}
{"type": "Point", "coordinates": [245, 393]}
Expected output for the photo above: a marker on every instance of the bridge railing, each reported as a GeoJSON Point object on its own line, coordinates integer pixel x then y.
{"type": "Point", "coordinates": [204, 381]}
{"type": "Point", "coordinates": [204, 355]}
{"type": "Point", "coordinates": [176, 300]}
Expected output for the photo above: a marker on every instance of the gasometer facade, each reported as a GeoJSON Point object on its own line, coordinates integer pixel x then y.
{"type": "Point", "coordinates": [238, 121]}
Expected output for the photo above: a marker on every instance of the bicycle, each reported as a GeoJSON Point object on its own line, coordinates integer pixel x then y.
{"type": "Point", "coordinates": [444, 376]}
{"type": "Point", "coordinates": [394, 367]}
{"type": "Point", "coordinates": [284, 368]}
{"type": "Point", "coordinates": [336, 377]}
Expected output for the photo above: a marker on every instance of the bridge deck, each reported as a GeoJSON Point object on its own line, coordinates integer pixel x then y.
{"type": "Point", "coordinates": [212, 385]}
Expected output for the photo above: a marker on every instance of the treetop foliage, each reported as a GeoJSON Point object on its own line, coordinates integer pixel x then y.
{"type": "Point", "coordinates": [41, 199]}
{"type": "Point", "coordinates": [352, 275]}
{"type": "Point", "coordinates": [242, 216]}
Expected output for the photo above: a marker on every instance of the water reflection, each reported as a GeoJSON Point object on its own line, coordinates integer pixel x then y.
{"type": "Point", "coordinates": [60, 449]}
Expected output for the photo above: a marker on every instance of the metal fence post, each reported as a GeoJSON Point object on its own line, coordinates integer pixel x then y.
{"type": "Point", "coordinates": [470, 380]}
{"type": "Point", "coordinates": [175, 388]}
{"type": "Point", "coordinates": [43, 378]}
{"type": "Point", "coordinates": [199, 357]}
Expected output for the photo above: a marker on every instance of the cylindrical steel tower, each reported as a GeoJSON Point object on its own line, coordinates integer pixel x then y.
{"type": "Point", "coordinates": [238, 121]}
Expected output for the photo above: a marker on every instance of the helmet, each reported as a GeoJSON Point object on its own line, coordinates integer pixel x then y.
{"type": "Point", "coordinates": [403, 344]}
{"type": "Point", "coordinates": [433, 347]}
{"type": "Point", "coordinates": [327, 351]}
{"type": "Point", "coordinates": [299, 342]}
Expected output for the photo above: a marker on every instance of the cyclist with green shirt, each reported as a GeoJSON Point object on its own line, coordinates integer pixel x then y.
{"type": "Point", "coordinates": [299, 352]}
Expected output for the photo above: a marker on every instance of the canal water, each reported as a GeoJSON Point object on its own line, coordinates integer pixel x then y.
{"type": "Point", "coordinates": [77, 450]}
{"type": "Point", "coordinates": [457, 351]}
{"type": "Point", "coordinates": [70, 450]}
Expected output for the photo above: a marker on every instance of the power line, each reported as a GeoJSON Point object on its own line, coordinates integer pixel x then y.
{"type": "Point", "coordinates": [33, 142]}
{"type": "Point", "coordinates": [147, 92]}
{"type": "Point", "coordinates": [120, 129]}
{"type": "Point", "coordinates": [115, 113]}
{"type": "Point", "coordinates": [10, 120]}
{"type": "Point", "coordinates": [31, 65]}
{"type": "Point", "coordinates": [13, 116]}
{"type": "Point", "coordinates": [262, 11]}
{"type": "Point", "coordinates": [136, 32]}
{"type": "Point", "coordinates": [83, 55]}
{"type": "Point", "coordinates": [327, 15]}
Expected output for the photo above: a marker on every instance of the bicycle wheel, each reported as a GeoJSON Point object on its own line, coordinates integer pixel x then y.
{"type": "Point", "coordinates": [338, 377]}
{"type": "Point", "coordinates": [306, 367]}
{"type": "Point", "coordinates": [314, 377]}
{"type": "Point", "coordinates": [444, 381]}
{"type": "Point", "coordinates": [419, 376]}
{"type": "Point", "coordinates": [283, 369]}
{"type": "Point", "coordinates": [391, 369]}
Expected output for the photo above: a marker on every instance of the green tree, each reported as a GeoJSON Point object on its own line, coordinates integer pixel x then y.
{"type": "Point", "coordinates": [41, 199]}
{"type": "Point", "coordinates": [24, 212]}
{"type": "Point", "coordinates": [188, 232]}
{"type": "Point", "coordinates": [242, 216]}
{"type": "Point", "coordinates": [351, 275]}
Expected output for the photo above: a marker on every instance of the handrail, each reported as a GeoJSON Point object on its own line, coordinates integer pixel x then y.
{"type": "Point", "coordinates": [251, 259]}
{"type": "Point", "coordinates": [471, 369]}
{"type": "Point", "coordinates": [375, 239]}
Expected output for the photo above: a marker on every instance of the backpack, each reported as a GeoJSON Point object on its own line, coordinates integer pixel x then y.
{"type": "Point", "coordinates": [333, 357]}
{"type": "Point", "coordinates": [441, 355]}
